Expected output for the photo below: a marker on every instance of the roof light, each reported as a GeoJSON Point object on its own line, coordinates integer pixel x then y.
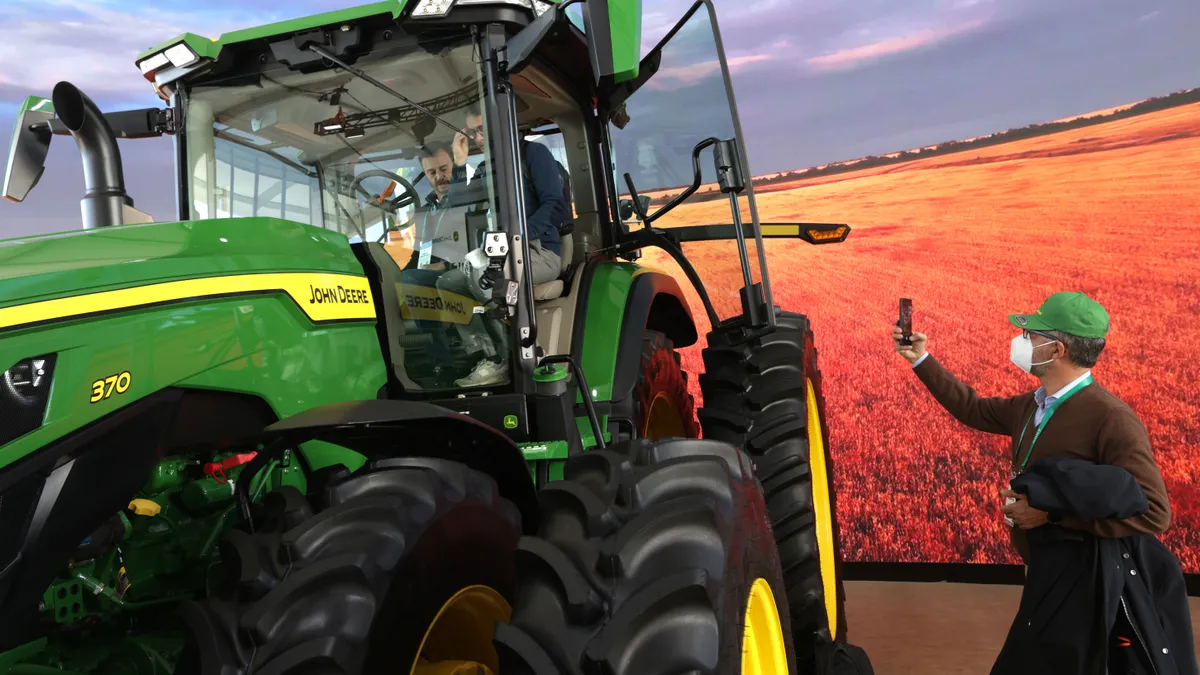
{"type": "Point", "coordinates": [181, 55]}
{"type": "Point", "coordinates": [527, 4]}
{"type": "Point", "coordinates": [432, 8]}
{"type": "Point", "coordinates": [333, 126]}
{"type": "Point", "coordinates": [355, 133]}
{"type": "Point", "coordinates": [153, 63]}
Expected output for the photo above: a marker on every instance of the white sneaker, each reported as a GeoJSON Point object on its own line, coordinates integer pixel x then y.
{"type": "Point", "coordinates": [487, 372]}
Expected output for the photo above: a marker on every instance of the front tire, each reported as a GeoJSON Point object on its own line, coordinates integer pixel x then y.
{"type": "Point", "coordinates": [403, 563]}
{"type": "Point", "coordinates": [653, 558]}
{"type": "Point", "coordinates": [664, 407]}
{"type": "Point", "coordinates": [765, 396]}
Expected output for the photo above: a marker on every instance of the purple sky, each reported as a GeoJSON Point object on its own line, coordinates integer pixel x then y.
{"type": "Point", "coordinates": [816, 80]}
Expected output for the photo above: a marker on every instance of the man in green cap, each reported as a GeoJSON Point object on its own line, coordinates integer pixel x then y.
{"type": "Point", "coordinates": [1058, 344]}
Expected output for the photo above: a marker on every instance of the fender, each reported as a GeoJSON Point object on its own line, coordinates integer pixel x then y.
{"type": "Point", "coordinates": [381, 429]}
{"type": "Point", "coordinates": [609, 352]}
{"type": "Point", "coordinates": [655, 303]}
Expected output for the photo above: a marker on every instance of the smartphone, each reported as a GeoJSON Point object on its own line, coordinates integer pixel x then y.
{"type": "Point", "coordinates": [905, 323]}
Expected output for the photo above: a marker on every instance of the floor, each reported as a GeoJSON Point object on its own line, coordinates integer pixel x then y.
{"type": "Point", "coordinates": [936, 628]}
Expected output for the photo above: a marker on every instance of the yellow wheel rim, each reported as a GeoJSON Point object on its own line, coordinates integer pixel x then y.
{"type": "Point", "coordinates": [663, 420]}
{"type": "Point", "coordinates": [821, 508]}
{"type": "Point", "coordinates": [460, 637]}
{"type": "Point", "coordinates": [763, 650]}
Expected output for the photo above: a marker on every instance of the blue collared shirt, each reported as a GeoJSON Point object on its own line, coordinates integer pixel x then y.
{"type": "Point", "coordinates": [1044, 402]}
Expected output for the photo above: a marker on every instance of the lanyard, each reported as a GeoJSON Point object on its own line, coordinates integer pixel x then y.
{"type": "Point", "coordinates": [1046, 418]}
{"type": "Point", "coordinates": [438, 209]}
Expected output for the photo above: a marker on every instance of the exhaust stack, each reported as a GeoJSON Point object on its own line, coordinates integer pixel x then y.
{"type": "Point", "coordinates": [104, 181]}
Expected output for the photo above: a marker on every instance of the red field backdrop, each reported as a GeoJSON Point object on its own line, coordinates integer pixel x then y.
{"type": "Point", "coordinates": [1111, 210]}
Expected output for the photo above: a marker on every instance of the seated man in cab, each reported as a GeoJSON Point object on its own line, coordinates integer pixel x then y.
{"type": "Point", "coordinates": [545, 204]}
{"type": "Point", "coordinates": [438, 221]}
{"type": "Point", "coordinates": [545, 212]}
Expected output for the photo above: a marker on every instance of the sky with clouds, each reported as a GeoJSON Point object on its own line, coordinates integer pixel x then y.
{"type": "Point", "coordinates": [816, 80]}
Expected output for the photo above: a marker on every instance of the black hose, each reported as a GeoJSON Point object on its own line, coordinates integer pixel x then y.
{"type": "Point", "coordinates": [581, 382]}
{"type": "Point", "coordinates": [241, 489]}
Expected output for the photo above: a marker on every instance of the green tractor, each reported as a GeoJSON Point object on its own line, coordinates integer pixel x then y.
{"type": "Point", "coordinates": [248, 441]}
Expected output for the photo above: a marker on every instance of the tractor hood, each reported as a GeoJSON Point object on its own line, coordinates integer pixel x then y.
{"type": "Point", "coordinates": [68, 264]}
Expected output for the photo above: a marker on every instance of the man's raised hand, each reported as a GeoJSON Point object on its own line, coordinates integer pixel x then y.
{"type": "Point", "coordinates": [911, 352]}
{"type": "Point", "coordinates": [461, 149]}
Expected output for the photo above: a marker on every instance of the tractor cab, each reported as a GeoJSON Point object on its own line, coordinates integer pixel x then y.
{"type": "Point", "coordinates": [386, 130]}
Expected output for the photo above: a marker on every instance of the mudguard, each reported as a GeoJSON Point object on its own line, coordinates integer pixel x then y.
{"type": "Point", "coordinates": [655, 303]}
{"type": "Point", "coordinates": [382, 428]}
{"type": "Point", "coordinates": [609, 351]}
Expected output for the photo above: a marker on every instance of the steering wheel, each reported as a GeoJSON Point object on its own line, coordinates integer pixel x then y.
{"type": "Point", "coordinates": [385, 201]}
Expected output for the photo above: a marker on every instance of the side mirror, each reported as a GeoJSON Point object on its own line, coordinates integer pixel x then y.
{"type": "Point", "coordinates": [30, 143]}
{"type": "Point", "coordinates": [627, 209]}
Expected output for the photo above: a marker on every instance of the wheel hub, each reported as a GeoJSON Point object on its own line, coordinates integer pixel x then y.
{"type": "Point", "coordinates": [663, 420]}
{"type": "Point", "coordinates": [821, 510]}
{"type": "Point", "coordinates": [459, 639]}
{"type": "Point", "coordinates": [763, 650]}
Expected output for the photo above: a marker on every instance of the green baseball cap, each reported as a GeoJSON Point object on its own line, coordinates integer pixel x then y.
{"type": "Point", "coordinates": [1072, 313]}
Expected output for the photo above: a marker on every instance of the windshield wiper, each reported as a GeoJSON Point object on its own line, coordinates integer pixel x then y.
{"type": "Point", "coordinates": [325, 53]}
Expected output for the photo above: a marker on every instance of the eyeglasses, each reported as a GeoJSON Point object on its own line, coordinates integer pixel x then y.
{"type": "Point", "coordinates": [1027, 334]}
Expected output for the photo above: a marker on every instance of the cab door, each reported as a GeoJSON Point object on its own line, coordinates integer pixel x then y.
{"type": "Point", "coordinates": [680, 97]}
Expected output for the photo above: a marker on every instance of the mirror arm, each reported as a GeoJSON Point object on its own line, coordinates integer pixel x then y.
{"type": "Point", "coordinates": [667, 241]}
{"type": "Point", "coordinates": [144, 123]}
{"type": "Point", "coordinates": [517, 53]}
{"type": "Point", "coordinates": [696, 178]}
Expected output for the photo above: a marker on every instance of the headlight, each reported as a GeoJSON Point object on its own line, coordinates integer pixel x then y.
{"type": "Point", "coordinates": [437, 8]}
{"type": "Point", "coordinates": [24, 395]}
{"type": "Point", "coordinates": [181, 55]}
{"type": "Point", "coordinates": [432, 8]}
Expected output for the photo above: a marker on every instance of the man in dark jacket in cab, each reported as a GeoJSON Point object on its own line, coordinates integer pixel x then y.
{"type": "Point", "coordinates": [545, 211]}
{"type": "Point", "coordinates": [1068, 416]}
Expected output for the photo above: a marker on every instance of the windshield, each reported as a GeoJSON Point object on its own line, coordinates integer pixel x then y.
{"type": "Point", "coordinates": [322, 148]}
{"type": "Point", "coordinates": [334, 150]}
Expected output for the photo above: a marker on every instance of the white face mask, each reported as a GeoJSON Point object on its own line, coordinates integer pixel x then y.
{"type": "Point", "coordinates": [1021, 352]}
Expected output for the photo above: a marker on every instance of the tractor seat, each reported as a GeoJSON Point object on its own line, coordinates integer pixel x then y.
{"type": "Point", "coordinates": [553, 289]}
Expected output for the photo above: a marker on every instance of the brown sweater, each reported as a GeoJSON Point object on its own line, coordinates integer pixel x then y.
{"type": "Point", "coordinates": [1093, 425]}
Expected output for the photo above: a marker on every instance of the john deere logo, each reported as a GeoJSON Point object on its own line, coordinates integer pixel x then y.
{"type": "Point", "coordinates": [1022, 320]}
{"type": "Point", "coordinates": [456, 236]}
{"type": "Point", "coordinates": [510, 421]}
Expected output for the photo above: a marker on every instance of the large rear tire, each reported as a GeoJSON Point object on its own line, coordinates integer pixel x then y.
{"type": "Point", "coordinates": [765, 396]}
{"type": "Point", "coordinates": [401, 564]}
{"type": "Point", "coordinates": [652, 558]}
